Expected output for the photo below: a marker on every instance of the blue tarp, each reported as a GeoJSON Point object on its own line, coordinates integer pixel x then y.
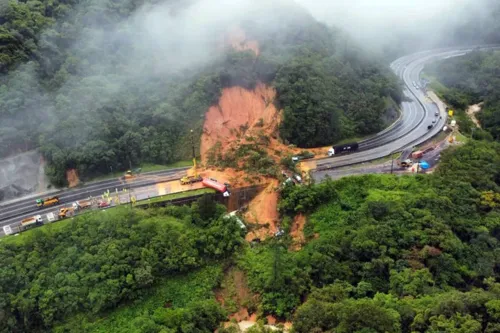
{"type": "Point", "coordinates": [424, 165]}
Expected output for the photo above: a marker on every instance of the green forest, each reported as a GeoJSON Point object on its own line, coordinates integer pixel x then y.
{"type": "Point", "coordinates": [468, 80]}
{"type": "Point", "coordinates": [82, 81]}
{"type": "Point", "coordinates": [383, 253]}
{"type": "Point", "coordinates": [64, 274]}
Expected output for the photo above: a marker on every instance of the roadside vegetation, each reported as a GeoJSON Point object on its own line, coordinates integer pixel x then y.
{"type": "Point", "coordinates": [469, 80]}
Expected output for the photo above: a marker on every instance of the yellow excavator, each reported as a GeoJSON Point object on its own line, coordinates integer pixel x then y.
{"type": "Point", "coordinates": [194, 178]}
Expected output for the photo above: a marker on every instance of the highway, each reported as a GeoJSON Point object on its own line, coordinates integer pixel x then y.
{"type": "Point", "coordinates": [411, 129]}
{"type": "Point", "coordinates": [13, 212]}
{"type": "Point", "coordinates": [418, 112]}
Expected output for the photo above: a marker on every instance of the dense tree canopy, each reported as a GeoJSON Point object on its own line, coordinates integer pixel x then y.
{"type": "Point", "coordinates": [390, 254]}
{"type": "Point", "coordinates": [96, 88]}
{"type": "Point", "coordinates": [471, 79]}
{"type": "Point", "coordinates": [97, 261]}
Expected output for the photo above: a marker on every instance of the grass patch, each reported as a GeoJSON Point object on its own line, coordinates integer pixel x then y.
{"type": "Point", "coordinates": [173, 196]}
{"type": "Point", "coordinates": [175, 292]}
{"type": "Point", "coordinates": [461, 138]}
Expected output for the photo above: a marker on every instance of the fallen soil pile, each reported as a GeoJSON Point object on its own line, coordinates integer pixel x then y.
{"type": "Point", "coordinates": [263, 213]}
{"type": "Point", "coordinates": [239, 112]}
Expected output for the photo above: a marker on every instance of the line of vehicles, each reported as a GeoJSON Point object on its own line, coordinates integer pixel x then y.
{"type": "Point", "coordinates": [63, 212]}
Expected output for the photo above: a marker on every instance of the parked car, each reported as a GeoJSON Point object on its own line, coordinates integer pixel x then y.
{"type": "Point", "coordinates": [103, 204]}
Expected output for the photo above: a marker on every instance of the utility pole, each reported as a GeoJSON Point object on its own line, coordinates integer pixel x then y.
{"type": "Point", "coordinates": [392, 162]}
{"type": "Point", "coordinates": [194, 154]}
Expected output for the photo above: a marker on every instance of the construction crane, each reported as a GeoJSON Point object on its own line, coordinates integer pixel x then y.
{"type": "Point", "coordinates": [194, 178]}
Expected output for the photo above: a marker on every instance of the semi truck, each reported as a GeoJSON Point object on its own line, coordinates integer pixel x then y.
{"type": "Point", "coordinates": [31, 221]}
{"type": "Point", "coordinates": [340, 149]}
{"type": "Point", "coordinates": [47, 202]}
{"type": "Point", "coordinates": [212, 183]}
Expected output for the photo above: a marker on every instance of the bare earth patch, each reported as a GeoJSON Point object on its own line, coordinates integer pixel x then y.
{"type": "Point", "coordinates": [263, 211]}
{"type": "Point", "coordinates": [72, 177]}
{"type": "Point", "coordinates": [471, 112]}
{"type": "Point", "coordinates": [297, 231]}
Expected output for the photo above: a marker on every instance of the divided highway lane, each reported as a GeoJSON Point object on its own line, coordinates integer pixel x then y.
{"type": "Point", "coordinates": [418, 113]}
{"type": "Point", "coordinates": [25, 207]}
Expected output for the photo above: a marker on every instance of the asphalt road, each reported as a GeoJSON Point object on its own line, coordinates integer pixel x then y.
{"type": "Point", "coordinates": [409, 130]}
{"type": "Point", "coordinates": [13, 212]}
{"type": "Point", "coordinates": [417, 113]}
{"type": "Point", "coordinates": [431, 157]}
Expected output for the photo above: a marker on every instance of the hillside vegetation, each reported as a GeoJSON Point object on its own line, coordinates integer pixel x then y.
{"type": "Point", "coordinates": [77, 270]}
{"type": "Point", "coordinates": [381, 254]}
{"type": "Point", "coordinates": [102, 85]}
{"type": "Point", "coordinates": [468, 80]}
{"type": "Point", "coordinates": [390, 254]}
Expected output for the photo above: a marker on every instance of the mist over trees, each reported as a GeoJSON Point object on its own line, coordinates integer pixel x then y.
{"type": "Point", "coordinates": [99, 86]}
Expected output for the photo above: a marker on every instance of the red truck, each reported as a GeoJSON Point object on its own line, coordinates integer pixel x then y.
{"type": "Point", "coordinates": [212, 183]}
{"type": "Point", "coordinates": [417, 154]}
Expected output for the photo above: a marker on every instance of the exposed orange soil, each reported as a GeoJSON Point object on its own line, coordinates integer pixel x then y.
{"type": "Point", "coordinates": [72, 177]}
{"type": "Point", "coordinates": [297, 231]}
{"type": "Point", "coordinates": [263, 210]}
{"type": "Point", "coordinates": [236, 290]}
{"type": "Point", "coordinates": [238, 107]}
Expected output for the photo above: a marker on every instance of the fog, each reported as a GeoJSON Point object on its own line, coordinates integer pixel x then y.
{"type": "Point", "coordinates": [177, 38]}
{"type": "Point", "coordinates": [379, 23]}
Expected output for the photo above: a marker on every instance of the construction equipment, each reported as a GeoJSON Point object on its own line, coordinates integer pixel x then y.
{"type": "Point", "coordinates": [31, 221]}
{"type": "Point", "coordinates": [66, 212]}
{"type": "Point", "coordinates": [186, 180]}
{"type": "Point", "coordinates": [406, 163]}
{"type": "Point", "coordinates": [47, 202]}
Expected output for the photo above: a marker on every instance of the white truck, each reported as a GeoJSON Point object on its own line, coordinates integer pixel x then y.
{"type": "Point", "coordinates": [31, 222]}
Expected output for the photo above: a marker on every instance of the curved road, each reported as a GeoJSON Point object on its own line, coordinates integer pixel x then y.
{"type": "Point", "coordinates": [409, 130]}
{"type": "Point", "coordinates": [417, 113]}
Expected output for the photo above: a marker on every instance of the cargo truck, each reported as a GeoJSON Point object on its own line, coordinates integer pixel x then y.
{"type": "Point", "coordinates": [216, 186]}
{"type": "Point", "coordinates": [82, 204]}
{"type": "Point", "coordinates": [340, 149]}
{"type": "Point", "coordinates": [47, 202]}
{"type": "Point", "coordinates": [417, 154]}
{"type": "Point", "coordinates": [31, 221]}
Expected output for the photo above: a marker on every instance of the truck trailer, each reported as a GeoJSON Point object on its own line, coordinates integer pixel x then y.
{"type": "Point", "coordinates": [82, 204]}
{"type": "Point", "coordinates": [417, 154]}
{"type": "Point", "coordinates": [31, 221]}
{"type": "Point", "coordinates": [47, 202]}
{"type": "Point", "coordinates": [216, 186]}
{"type": "Point", "coordinates": [340, 149]}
